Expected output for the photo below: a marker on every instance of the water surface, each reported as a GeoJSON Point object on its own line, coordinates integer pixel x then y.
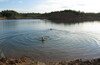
{"type": "Point", "coordinates": [64, 42]}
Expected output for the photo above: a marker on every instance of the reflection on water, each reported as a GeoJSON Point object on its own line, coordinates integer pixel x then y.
{"type": "Point", "coordinates": [63, 42]}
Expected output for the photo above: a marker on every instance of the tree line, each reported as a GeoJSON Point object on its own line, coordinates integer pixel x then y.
{"type": "Point", "coordinates": [64, 16]}
{"type": "Point", "coordinates": [11, 14]}
{"type": "Point", "coordinates": [71, 16]}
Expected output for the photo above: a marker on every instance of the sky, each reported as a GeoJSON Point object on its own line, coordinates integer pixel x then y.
{"type": "Point", "coordinates": [42, 6]}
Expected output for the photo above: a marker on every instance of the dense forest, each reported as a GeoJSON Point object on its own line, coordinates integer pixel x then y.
{"type": "Point", "coordinates": [65, 15]}
{"type": "Point", "coordinates": [10, 14]}
{"type": "Point", "coordinates": [71, 16]}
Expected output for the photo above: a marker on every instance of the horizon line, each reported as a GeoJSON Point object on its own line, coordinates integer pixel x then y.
{"type": "Point", "coordinates": [49, 12]}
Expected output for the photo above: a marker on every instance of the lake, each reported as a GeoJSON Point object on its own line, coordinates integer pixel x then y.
{"type": "Point", "coordinates": [63, 41]}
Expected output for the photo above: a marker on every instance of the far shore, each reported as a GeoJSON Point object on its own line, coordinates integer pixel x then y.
{"type": "Point", "coordinates": [63, 16]}
{"type": "Point", "coordinates": [2, 18]}
{"type": "Point", "coordinates": [28, 61]}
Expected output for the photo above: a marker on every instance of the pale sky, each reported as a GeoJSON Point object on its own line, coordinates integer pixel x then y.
{"type": "Point", "coordinates": [42, 6]}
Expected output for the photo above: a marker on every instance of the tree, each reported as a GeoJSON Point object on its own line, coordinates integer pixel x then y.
{"type": "Point", "coordinates": [9, 13]}
{"type": "Point", "coordinates": [0, 14]}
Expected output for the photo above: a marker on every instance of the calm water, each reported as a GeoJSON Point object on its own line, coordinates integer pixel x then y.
{"type": "Point", "coordinates": [64, 42]}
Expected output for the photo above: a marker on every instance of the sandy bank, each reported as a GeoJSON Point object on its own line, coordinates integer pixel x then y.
{"type": "Point", "coordinates": [28, 61]}
{"type": "Point", "coordinates": [2, 18]}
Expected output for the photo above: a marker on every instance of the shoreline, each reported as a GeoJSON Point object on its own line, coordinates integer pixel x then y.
{"type": "Point", "coordinates": [54, 21]}
{"type": "Point", "coordinates": [2, 18]}
{"type": "Point", "coordinates": [29, 61]}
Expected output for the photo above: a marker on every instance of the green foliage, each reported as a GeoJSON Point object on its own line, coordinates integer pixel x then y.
{"type": "Point", "coordinates": [65, 15]}
{"type": "Point", "coordinates": [69, 16]}
{"type": "Point", "coordinates": [30, 15]}
{"type": "Point", "coordinates": [0, 14]}
{"type": "Point", "coordinates": [9, 13]}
